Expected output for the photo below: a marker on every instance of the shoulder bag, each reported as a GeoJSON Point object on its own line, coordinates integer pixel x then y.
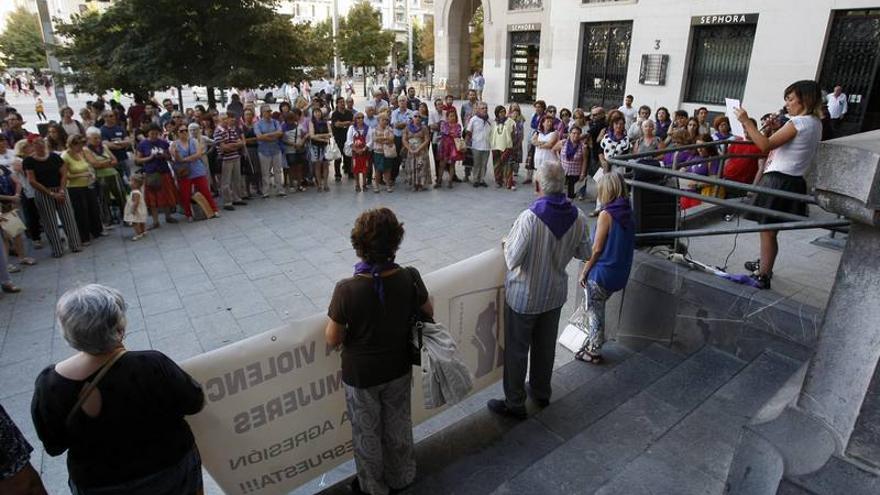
{"type": "Point", "coordinates": [91, 386]}
{"type": "Point", "coordinates": [417, 321]}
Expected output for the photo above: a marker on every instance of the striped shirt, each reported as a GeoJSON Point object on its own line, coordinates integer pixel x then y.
{"type": "Point", "coordinates": [227, 135]}
{"type": "Point", "coordinates": [536, 281]}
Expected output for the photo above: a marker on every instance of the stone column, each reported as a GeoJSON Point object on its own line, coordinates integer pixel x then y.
{"type": "Point", "coordinates": [820, 422]}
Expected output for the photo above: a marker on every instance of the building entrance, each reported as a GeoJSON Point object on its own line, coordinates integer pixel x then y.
{"type": "Point", "coordinates": [604, 60]}
{"type": "Point", "coordinates": [851, 59]}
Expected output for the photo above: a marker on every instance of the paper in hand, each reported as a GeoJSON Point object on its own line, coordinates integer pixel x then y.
{"type": "Point", "coordinates": [736, 127]}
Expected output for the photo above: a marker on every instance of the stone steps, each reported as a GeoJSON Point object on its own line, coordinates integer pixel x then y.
{"type": "Point", "coordinates": [652, 421]}
{"type": "Point", "coordinates": [602, 449]}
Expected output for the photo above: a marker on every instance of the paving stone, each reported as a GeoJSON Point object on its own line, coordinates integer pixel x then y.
{"type": "Point", "coordinates": [160, 302]}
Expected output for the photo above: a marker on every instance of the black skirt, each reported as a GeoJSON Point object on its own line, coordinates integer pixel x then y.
{"type": "Point", "coordinates": [782, 182]}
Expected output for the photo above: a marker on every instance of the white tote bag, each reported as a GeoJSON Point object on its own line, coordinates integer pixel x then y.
{"type": "Point", "coordinates": [574, 335]}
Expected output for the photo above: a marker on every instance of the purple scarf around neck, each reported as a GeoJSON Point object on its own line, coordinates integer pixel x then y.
{"type": "Point", "coordinates": [375, 270]}
{"type": "Point", "coordinates": [570, 150]}
{"type": "Point", "coordinates": [621, 211]}
{"type": "Point", "coordinates": [556, 211]}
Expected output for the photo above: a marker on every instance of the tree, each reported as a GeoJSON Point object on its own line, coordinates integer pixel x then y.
{"type": "Point", "coordinates": [363, 43]}
{"type": "Point", "coordinates": [476, 61]}
{"type": "Point", "coordinates": [401, 50]}
{"type": "Point", "coordinates": [21, 44]}
{"type": "Point", "coordinates": [426, 42]}
{"type": "Point", "coordinates": [143, 45]}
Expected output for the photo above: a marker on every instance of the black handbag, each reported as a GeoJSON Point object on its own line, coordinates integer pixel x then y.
{"type": "Point", "coordinates": [416, 323]}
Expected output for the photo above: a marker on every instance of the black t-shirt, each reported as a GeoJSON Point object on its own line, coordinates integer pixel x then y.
{"type": "Point", "coordinates": [375, 348]}
{"type": "Point", "coordinates": [341, 133]}
{"type": "Point", "coordinates": [48, 171]}
{"type": "Point", "coordinates": [140, 429]}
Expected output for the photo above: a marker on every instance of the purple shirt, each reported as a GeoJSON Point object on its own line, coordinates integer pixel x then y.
{"type": "Point", "coordinates": [159, 163]}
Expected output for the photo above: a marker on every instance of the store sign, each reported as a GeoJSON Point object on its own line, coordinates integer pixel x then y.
{"type": "Point", "coordinates": [710, 20]}
{"type": "Point", "coordinates": [531, 26]}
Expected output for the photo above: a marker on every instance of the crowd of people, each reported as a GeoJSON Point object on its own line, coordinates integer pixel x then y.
{"type": "Point", "coordinates": [82, 171]}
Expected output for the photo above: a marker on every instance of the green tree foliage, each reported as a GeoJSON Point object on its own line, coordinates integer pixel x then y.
{"type": "Point", "coordinates": [21, 44]}
{"type": "Point", "coordinates": [426, 42]}
{"type": "Point", "coordinates": [143, 45]}
{"type": "Point", "coordinates": [477, 40]}
{"type": "Point", "coordinates": [401, 51]}
{"type": "Point", "coordinates": [363, 43]}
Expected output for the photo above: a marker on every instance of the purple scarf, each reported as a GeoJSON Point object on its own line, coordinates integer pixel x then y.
{"type": "Point", "coordinates": [620, 211]}
{"type": "Point", "coordinates": [413, 129]}
{"type": "Point", "coordinates": [375, 271]}
{"type": "Point", "coordinates": [556, 211]}
{"type": "Point", "coordinates": [570, 150]}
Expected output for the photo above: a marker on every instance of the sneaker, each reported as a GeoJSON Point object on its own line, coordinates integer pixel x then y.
{"type": "Point", "coordinates": [761, 281]}
{"type": "Point", "coordinates": [137, 237]}
{"type": "Point", "coordinates": [239, 203]}
{"type": "Point", "coordinates": [171, 220]}
{"type": "Point", "coordinates": [475, 184]}
{"type": "Point", "coordinates": [265, 196]}
{"type": "Point", "coordinates": [13, 268]}
{"type": "Point", "coordinates": [228, 207]}
{"type": "Point", "coordinates": [281, 194]}
{"type": "Point", "coordinates": [216, 214]}
{"type": "Point", "coordinates": [753, 266]}
{"type": "Point", "coordinates": [513, 188]}
{"type": "Point", "coordinates": [499, 407]}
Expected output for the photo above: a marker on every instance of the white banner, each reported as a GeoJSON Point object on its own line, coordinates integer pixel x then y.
{"type": "Point", "coordinates": [275, 414]}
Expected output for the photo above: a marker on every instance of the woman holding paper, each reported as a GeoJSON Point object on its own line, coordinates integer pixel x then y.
{"type": "Point", "coordinates": [370, 319]}
{"type": "Point", "coordinates": [792, 149]}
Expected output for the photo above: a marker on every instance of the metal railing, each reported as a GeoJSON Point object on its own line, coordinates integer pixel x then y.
{"type": "Point", "coordinates": [793, 222]}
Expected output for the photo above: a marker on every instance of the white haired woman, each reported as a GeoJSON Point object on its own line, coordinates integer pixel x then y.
{"type": "Point", "coordinates": [110, 192]}
{"type": "Point", "coordinates": [119, 415]}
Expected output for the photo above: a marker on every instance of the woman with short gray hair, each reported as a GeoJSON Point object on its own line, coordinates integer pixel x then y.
{"type": "Point", "coordinates": [119, 415]}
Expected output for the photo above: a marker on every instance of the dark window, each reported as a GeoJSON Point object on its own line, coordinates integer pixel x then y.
{"type": "Point", "coordinates": [524, 4]}
{"type": "Point", "coordinates": [719, 63]}
{"type": "Point", "coordinates": [605, 56]}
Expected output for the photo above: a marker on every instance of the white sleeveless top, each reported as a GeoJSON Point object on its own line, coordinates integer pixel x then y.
{"type": "Point", "coordinates": [796, 156]}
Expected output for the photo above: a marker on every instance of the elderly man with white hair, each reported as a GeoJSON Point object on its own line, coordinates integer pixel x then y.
{"type": "Point", "coordinates": [119, 415]}
{"type": "Point", "coordinates": [541, 243]}
{"type": "Point", "coordinates": [269, 148]}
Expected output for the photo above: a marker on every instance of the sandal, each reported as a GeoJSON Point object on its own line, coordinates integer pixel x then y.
{"type": "Point", "coordinates": [28, 261]}
{"type": "Point", "coordinates": [585, 357]}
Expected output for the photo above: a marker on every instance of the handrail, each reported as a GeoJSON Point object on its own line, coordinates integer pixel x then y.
{"type": "Point", "coordinates": [718, 201]}
{"type": "Point", "coordinates": [833, 225]}
{"type": "Point", "coordinates": [713, 180]}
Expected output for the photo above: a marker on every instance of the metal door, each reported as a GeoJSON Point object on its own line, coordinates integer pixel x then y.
{"type": "Point", "coordinates": [851, 59]}
{"type": "Point", "coordinates": [604, 62]}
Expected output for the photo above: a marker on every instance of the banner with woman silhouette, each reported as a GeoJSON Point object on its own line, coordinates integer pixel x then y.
{"type": "Point", "coordinates": [275, 416]}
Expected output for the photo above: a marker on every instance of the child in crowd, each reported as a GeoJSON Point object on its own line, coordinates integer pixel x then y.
{"type": "Point", "coordinates": [41, 111]}
{"type": "Point", "coordinates": [135, 208]}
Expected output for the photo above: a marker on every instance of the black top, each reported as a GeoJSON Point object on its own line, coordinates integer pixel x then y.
{"type": "Point", "coordinates": [140, 429]}
{"type": "Point", "coordinates": [48, 171]}
{"type": "Point", "coordinates": [343, 116]}
{"type": "Point", "coordinates": [375, 348]}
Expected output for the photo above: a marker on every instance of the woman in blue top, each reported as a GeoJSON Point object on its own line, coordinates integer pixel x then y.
{"type": "Point", "coordinates": [607, 270]}
{"type": "Point", "coordinates": [189, 166]}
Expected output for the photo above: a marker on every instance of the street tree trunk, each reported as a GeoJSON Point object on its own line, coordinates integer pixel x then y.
{"type": "Point", "coordinates": [212, 102]}
{"type": "Point", "coordinates": [364, 70]}
{"type": "Point", "coordinates": [180, 97]}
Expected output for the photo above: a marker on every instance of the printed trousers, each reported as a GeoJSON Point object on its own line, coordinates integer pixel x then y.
{"type": "Point", "coordinates": [381, 426]}
{"type": "Point", "coordinates": [49, 210]}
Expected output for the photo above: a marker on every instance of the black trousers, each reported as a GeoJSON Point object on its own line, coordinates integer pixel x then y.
{"type": "Point", "coordinates": [86, 211]}
{"type": "Point", "coordinates": [524, 333]}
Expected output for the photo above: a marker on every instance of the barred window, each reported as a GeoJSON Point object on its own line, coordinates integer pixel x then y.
{"type": "Point", "coordinates": [719, 63]}
{"type": "Point", "coordinates": [525, 4]}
